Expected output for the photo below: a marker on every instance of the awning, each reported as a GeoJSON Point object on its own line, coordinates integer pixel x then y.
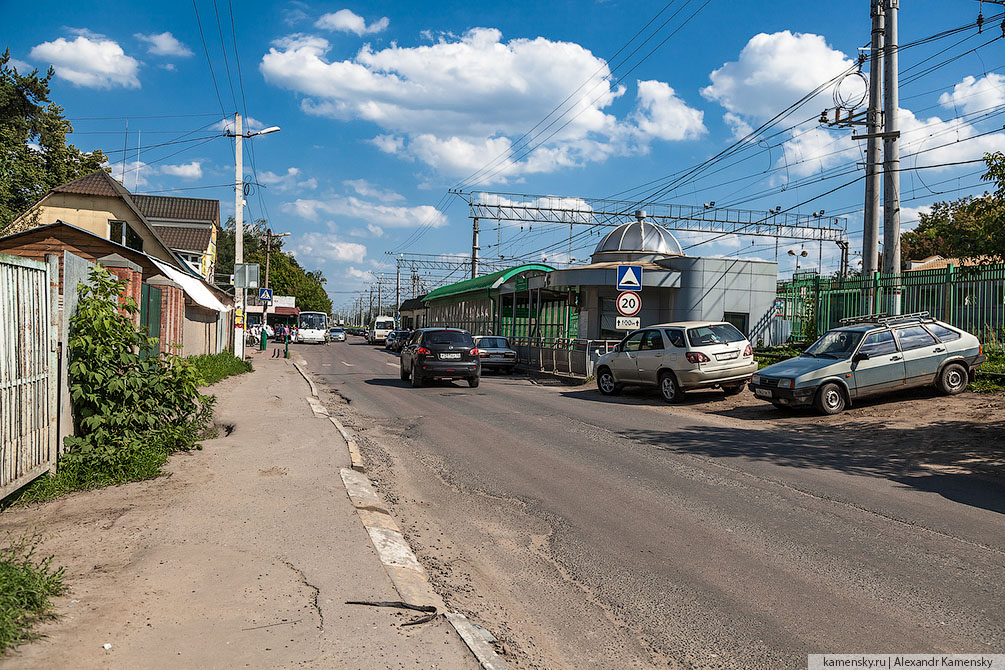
{"type": "Point", "coordinates": [285, 311]}
{"type": "Point", "coordinates": [193, 287]}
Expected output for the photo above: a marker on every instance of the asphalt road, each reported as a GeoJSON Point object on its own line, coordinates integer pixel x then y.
{"type": "Point", "coordinates": [594, 532]}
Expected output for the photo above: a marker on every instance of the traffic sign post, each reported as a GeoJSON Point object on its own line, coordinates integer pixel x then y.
{"type": "Point", "coordinates": [629, 303]}
{"type": "Point", "coordinates": [265, 295]}
{"type": "Point", "coordinates": [629, 277]}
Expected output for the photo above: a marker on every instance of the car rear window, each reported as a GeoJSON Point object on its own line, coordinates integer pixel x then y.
{"type": "Point", "coordinates": [448, 337]}
{"type": "Point", "coordinates": [943, 333]}
{"type": "Point", "coordinates": [493, 343]}
{"type": "Point", "coordinates": [720, 333]}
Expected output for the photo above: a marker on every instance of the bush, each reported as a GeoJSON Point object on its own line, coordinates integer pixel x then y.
{"type": "Point", "coordinates": [132, 405]}
{"type": "Point", "coordinates": [214, 367]}
{"type": "Point", "coordinates": [26, 584]}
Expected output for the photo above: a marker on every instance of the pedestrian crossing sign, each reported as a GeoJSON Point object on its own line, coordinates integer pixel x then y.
{"type": "Point", "coordinates": [265, 295]}
{"type": "Point", "coordinates": [629, 277]}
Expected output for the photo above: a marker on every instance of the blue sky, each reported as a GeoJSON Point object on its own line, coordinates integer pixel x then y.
{"type": "Point", "coordinates": [384, 106]}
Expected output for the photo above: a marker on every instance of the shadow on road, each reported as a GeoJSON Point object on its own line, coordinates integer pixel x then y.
{"type": "Point", "coordinates": [960, 460]}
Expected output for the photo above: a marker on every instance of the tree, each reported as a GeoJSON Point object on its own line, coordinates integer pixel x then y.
{"type": "Point", "coordinates": [968, 228]}
{"type": "Point", "coordinates": [34, 155]}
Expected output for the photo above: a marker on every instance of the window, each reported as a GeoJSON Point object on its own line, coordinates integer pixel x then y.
{"type": "Point", "coordinates": [737, 319]}
{"type": "Point", "coordinates": [914, 337]}
{"type": "Point", "coordinates": [944, 334]}
{"type": "Point", "coordinates": [121, 233]}
{"type": "Point", "coordinates": [721, 333]}
{"type": "Point", "coordinates": [633, 341]}
{"type": "Point", "coordinates": [449, 337]}
{"type": "Point", "coordinates": [877, 344]}
{"type": "Point", "coordinates": [652, 340]}
{"type": "Point", "coordinates": [493, 343]}
{"type": "Point", "coordinates": [836, 344]}
{"type": "Point", "coordinates": [676, 338]}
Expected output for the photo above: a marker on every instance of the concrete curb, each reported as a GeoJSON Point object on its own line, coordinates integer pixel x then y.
{"type": "Point", "coordinates": [316, 407]}
{"type": "Point", "coordinates": [474, 638]}
{"type": "Point", "coordinates": [354, 453]}
{"type": "Point", "coordinates": [314, 389]}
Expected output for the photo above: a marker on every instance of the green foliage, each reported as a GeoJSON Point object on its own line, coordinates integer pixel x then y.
{"type": "Point", "coordinates": [286, 275]}
{"type": "Point", "coordinates": [132, 406]}
{"type": "Point", "coordinates": [968, 228]}
{"type": "Point", "coordinates": [28, 117]}
{"type": "Point", "coordinates": [214, 367]}
{"type": "Point", "coordinates": [27, 581]}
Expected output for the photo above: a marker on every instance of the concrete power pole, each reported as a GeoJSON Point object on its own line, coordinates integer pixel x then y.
{"type": "Point", "coordinates": [870, 224]}
{"type": "Point", "coordinates": [238, 233]}
{"type": "Point", "coordinates": [474, 247]}
{"type": "Point", "coordinates": [397, 287]}
{"type": "Point", "coordinates": [891, 154]}
{"type": "Point", "coordinates": [380, 295]}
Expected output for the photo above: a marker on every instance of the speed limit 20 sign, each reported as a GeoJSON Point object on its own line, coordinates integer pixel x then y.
{"type": "Point", "coordinates": [629, 303]}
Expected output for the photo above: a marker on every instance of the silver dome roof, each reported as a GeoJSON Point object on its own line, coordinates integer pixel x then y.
{"type": "Point", "coordinates": [640, 237]}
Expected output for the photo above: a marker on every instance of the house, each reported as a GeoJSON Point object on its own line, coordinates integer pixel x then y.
{"type": "Point", "coordinates": [189, 226]}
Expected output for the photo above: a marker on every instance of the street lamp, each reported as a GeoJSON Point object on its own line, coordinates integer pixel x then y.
{"type": "Point", "coordinates": [801, 254]}
{"type": "Point", "coordinates": [239, 296]}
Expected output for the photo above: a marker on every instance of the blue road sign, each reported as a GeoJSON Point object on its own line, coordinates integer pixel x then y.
{"type": "Point", "coordinates": [629, 277]}
{"type": "Point", "coordinates": [265, 294]}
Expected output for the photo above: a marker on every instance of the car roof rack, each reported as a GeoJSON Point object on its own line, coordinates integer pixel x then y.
{"type": "Point", "coordinates": [885, 319]}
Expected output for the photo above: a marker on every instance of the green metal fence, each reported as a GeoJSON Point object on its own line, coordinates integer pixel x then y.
{"type": "Point", "coordinates": [969, 297]}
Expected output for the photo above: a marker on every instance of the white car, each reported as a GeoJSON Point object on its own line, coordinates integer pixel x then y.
{"type": "Point", "coordinates": [677, 357]}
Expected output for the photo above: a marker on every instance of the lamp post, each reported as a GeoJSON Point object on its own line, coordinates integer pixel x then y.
{"type": "Point", "coordinates": [239, 297]}
{"type": "Point", "coordinates": [269, 236]}
{"type": "Point", "coordinates": [801, 254]}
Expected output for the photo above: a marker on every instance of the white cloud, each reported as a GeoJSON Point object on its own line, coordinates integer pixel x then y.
{"type": "Point", "coordinates": [349, 22]}
{"type": "Point", "coordinates": [774, 71]}
{"type": "Point", "coordinates": [458, 103]}
{"type": "Point", "coordinates": [976, 95]}
{"type": "Point", "coordinates": [664, 115]}
{"type": "Point", "coordinates": [356, 273]}
{"type": "Point", "coordinates": [910, 217]}
{"type": "Point", "coordinates": [736, 124]}
{"type": "Point", "coordinates": [327, 247]}
{"type": "Point", "coordinates": [955, 139]}
{"type": "Point", "coordinates": [385, 216]}
{"type": "Point", "coordinates": [20, 66]}
{"type": "Point", "coordinates": [367, 190]}
{"type": "Point", "coordinates": [132, 173]}
{"type": "Point", "coordinates": [289, 181]}
{"type": "Point", "coordinates": [191, 170]}
{"type": "Point", "coordinates": [164, 44]}
{"type": "Point", "coordinates": [89, 60]}
{"type": "Point", "coordinates": [376, 231]}
{"type": "Point", "coordinates": [248, 124]}
{"type": "Point", "coordinates": [813, 149]}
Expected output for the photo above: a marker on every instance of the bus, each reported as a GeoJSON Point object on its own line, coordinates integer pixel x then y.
{"type": "Point", "coordinates": [379, 328]}
{"type": "Point", "coordinates": [312, 327]}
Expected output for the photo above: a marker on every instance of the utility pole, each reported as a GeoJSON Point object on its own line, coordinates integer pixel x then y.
{"type": "Point", "coordinates": [891, 154]}
{"type": "Point", "coordinates": [397, 286]}
{"type": "Point", "coordinates": [474, 247]}
{"type": "Point", "coordinates": [269, 236]}
{"type": "Point", "coordinates": [238, 234]}
{"type": "Point", "coordinates": [380, 300]}
{"type": "Point", "coordinates": [870, 224]}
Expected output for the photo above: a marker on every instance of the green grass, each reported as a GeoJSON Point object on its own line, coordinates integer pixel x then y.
{"type": "Point", "coordinates": [214, 367]}
{"type": "Point", "coordinates": [27, 581]}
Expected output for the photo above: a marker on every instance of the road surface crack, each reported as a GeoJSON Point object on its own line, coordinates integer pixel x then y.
{"type": "Point", "coordinates": [315, 593]}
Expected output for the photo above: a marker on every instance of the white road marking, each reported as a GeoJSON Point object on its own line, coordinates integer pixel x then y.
{"type": "Point", "coordinates": [347, 364]}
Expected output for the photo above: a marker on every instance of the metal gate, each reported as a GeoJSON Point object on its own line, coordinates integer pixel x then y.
{"type": "Point", "coordinates": [27, 372]}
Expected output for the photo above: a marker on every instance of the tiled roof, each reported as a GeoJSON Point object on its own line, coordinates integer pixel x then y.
{"type": "Point", "coordinates": [182, 238]}
{"type": "Point", "coordinates": [188, 209]}
{"type": "Point", "coordinates": [940, 263]}
{"type": "Point", "coordinates": [98, 182]}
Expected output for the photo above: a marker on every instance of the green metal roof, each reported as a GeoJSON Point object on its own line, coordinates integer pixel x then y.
{"type": "Point", "coordinates": [483, 283]}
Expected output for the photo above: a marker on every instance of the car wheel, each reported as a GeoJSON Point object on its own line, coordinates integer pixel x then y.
{"type": "Point", "coordinates": [830, 399]}
{"type": "Point", "coordinates": [474, 381]}
{"type": "Point", "coordinates": [606, 383]}
{"type": "Point", "coordinates": [734, 389]}
{"type": "Point", "coordinates": [416, 377]}
{"type": "Point", "coordinates": [953, 379]}
{"type": "Point", "coordinates": [402, 372]}
{"type": "Point", "coordinates": [669, 388]}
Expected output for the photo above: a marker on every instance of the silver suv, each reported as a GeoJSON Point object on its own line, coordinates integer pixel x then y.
{"type": "Point", "coordinates": [872, 355]}
{"type": "Point", "coordinates": [677, 357]}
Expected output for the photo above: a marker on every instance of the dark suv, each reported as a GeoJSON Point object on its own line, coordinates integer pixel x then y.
{"type": "Point", "coordinates": [440, 353]}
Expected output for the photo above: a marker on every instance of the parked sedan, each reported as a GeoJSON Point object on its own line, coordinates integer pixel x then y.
{"type": "Point", "coordinates": [872, 356]}
{"type": "Point", "coordinates": [336, 334]}
{"type": "Point", "coordinates": [495, 353]}
{"type": "Point", "coordinates": [677, 357]}
{"type": "Point", "coordinates": [440, 353]}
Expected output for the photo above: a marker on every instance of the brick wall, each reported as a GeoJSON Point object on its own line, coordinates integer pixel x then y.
{"type": "Point", "coordinates": [134, 282]}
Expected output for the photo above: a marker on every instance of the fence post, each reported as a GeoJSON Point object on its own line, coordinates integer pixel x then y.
{"type": "Point", "coordinates": [947, 295]}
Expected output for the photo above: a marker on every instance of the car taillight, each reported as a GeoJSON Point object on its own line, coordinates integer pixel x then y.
{"type": "Point", "coordinates": [475, 352]}
{"type": "Point", "coordinates": [749, 351]}
{"type": "Point", "coordinates": [422, 351]}
{"type": "Point", "coordinates": [697, 357]}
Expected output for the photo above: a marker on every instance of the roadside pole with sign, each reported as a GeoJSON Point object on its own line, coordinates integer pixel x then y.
{"type": "Point", "coordinates": [629, 301]}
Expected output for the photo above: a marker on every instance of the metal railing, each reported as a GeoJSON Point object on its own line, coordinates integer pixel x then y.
{"type": "Point", "coordinates": [552, 354]}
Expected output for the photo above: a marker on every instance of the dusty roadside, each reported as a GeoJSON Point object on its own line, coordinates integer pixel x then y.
{"type": "Point", "coordinates": [243, 556]}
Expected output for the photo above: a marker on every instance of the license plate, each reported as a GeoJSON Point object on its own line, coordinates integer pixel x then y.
{"type": "Point", "coordinates": [450, 357]}
{"type": "Point", "coordinates": [763, 393]}
{"type": "Point", "coordinates": [728, 356]}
